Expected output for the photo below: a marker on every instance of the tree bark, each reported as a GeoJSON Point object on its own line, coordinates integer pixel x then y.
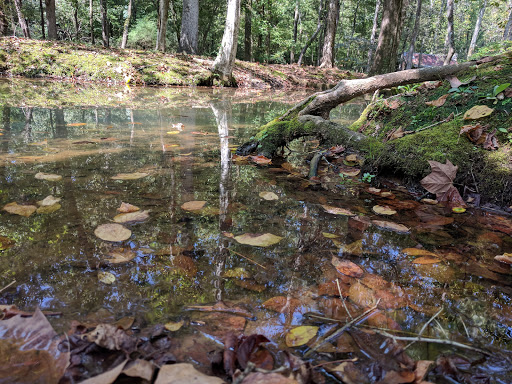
{"type": "Point", "coordinates": [105, 33]}
{"type": "Point", "coordinates": [478, 24]}
{"type": "Point", "coordinates": [507, 33]}
{"type": "Point", "coordinates": [127, 24]}
{"type": "Point", "coordinates": [414, 36]}
{"type": "Point", "coordinates": [91, 20]}
{"type": "Point", "coordinates": [76, 21]}
{"type": "Point", "coordinates": [41, 11]}
{"type": "Point", "coordinates": [51, 19]}
{"type": "Point", "coordinates": [189, 26]}
{"type": "Point", "coordinates": [225, 60]}
{"type": "Point", "coordinates": [163, 13]}
{"type": "Point", "coordinates": [248, 31]}
{"type": "Point", "coordinates": [387, 46]}
{"type": "Point", "coordinates": [295, 31]}
{"type": "Point", "coordinates": [450, 40]}
{"type": "Point", "coordinates": [330, 34]}
{"type": "Point", "coordinates": [21, 19]}
{"type": "Point", "coordinates": [373, 35]}
{"type": "Point", "coordinates": [319, 25]}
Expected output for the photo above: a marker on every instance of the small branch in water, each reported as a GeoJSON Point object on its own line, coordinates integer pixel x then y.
{"type": "Point", "coordinates": [245, 257]}
{"type": "Point", "coordinates": [343, 299]}
{"type": "Point", "coordinates": [424, 328]}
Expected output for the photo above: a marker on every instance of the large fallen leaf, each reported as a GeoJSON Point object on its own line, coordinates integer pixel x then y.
{"type": "Point", "coordinates": [478, 112]}
{"type": "Point", "coordinates": [300, 335]}
{"type": "Point", "coordinates": [112, 232]}
{"type": "Point", "coordinates": [337, 210]}
{"type": "Point", "coordinates": [440, 180]}
{"type": "Point", "coordinates": [22, 210]}
{"type": "Point", "coordinates": [127, 208]}
{"type": "Point", "coordinates": [268, 196]}
{"type": "Point", "coordinates": [131, 217]}
{"type": "Point", "coordinates": [426, 260]}
{"type": "Point", "coordinates": [418, 252]}
{"type": "Point", "coordinates": [121, 255]}
{"type": "Point", "coordinates": [184, 373]}
{"type": "Point", "coordinates": [474, 133]}
{"type": "Point", "coordinates": [439, 102]}
{"type": "Point", "coordinates": [383, 210]}
{"type": "Point", "coordinates": [193, 205]}
{"type": "Point", "coordinates": [454, 82]}
{"type": "Point", "coordinates": [49, 200]}
{"type": "Point", "coordinates": [400, 228]}
{"type": "Point", "coordinates": [29, 351]}
{"type": "Point", "coordinates": [48, 176]}
{"type": "Point", "coordinates": [258, 240]}
{"type": "Point", "coordinates": [347, 267]}
{"type": "Point", "coordinates": [130, 176]}
{"type": "Point", "coordinates": [491, 142]}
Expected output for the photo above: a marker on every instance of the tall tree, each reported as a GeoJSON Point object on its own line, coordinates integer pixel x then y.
{"type": "Point", "coordinates": [387, 47]}
{"type": "Point", "coordinates": [21, 19]}
{"type": "Point", "coordinates": [41, 12]}
{"type": "Point", "coordinates": [296, 15]}
{"type": "Point", "coordinates": [189, 26]}
{"type": "Point", "coordinates": [330, 34]}
{"type": "Point", "coordinates": [105, 28]}
{"type": "Point", "coordinates": [51, 19]}
{"type": "Point", "coordinates": [414, 36]}
{"type": "Point", "coordinates": [91, 20]}
{"type": "Point", "coordinates": [225, 60]}
{"type": "Point", "coordinates": [127, 24]}
{"type": "Point", "coordinates": [319, 26]}
{"type": "Point", "coordinates": [507, 33]}
{"type": "Point", "coordinates": [163, 14]}
{"type": "Point", "coordinates": [248, 31]}
{"type": "Point", "coordinates": [450, 40]}
{"type": "Point", "coordinates": [476, 31]}
{"type": "Point", "coordinates": [373, 34]}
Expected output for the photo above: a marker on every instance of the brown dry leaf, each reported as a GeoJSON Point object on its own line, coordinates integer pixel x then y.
{"type": "Point", "coordinates": [193, 205]}
{"type": "Point", "coordinates": [240, 159]}
{"type": "Point", "coordinates": [422, 368]}
{"type": "Point", "coordinates": [362, 295]}
{"type": "Point", "coordinates": [453, 198]}
{"type": "Point", "coordinates": [121, 255]}
{"type": "Point", "coordinates": [268, 196]}
{"type": "Point", "coordinates": [130, 176]}
{"type": "Point", "coordinates": [140, 368]}
{"type": "Point", "coordinates": [454, 82]}
{"type": "Point", "coordinates": [337, 210]}
{"type": "Point", "coordinates": [347, 267]}
{"type": "Point", "coordinates": [281, 304]}
{"type": "Point", "coordinates": [185, 265]}
{"type": "Point", "coordinates": [48, 201]}
{"type": "Point", "coordinates": [127, 208]}
{"type": "Point", "coordinates": [491, 142]}
{"type": "Point", "coordinates": [395, 134]}
{"type": "Point", "coordinates": [392, 104]}
{"type": "Point", "coordinates": [355, 248]}
{"type": "Point", "coordinates": [400, 228]}
{"type": "Point", "coordinates": [300, 335]}
{"type": "Point", "coordinates": [184, 373]}
{"type": "Point", "coordinates": [112, 232]}
{"type": "Point", "coordinates": [6, 243]}
{"type": "Point", "coordinates": [107, 377]}
{"type": "Point", "coordinates": [174, 326]}
{"type": "Point", "coordinates": [268, 378]}
{"type": "Point", "coordinates": [131, 217]}
{"type": "Point", "coordinates": [258, 240]}
{"type": "Point", "coordinates": [350, 173]}
{"type": "Point", "coordinates": [260, 160]}
{"type": "Point", "coordinates": [440, 180]}
{"type": "Point", "coordinates": [48, 176]}
{"type": "Point", "coordinates": [222, 308]}
{"type": "Point", "coordinates": [112, 337]}
{"type": "Point", "coordinates": [331, 289]}
{"type": "Point", "coordinates": [250, 284]}
{"type": "Point", "coordinates": [474, 133]}
{"type": "Point", "coordinates": [383, 210]}
{"type": "Point", "coordinates": [418, 252]}
{"type": "Point", "coordinates": [439, 102]}
{"type": "Point", "coordinates": [351, 158]}
{"type": "Point", "coordinates": [22, 210]}
{"type": "Point", "coordinates": [426, 260]}
{"type": "Point", "coordinates": [382, 321]}
{"type": "Point", "coordinates": [478, 112]}
{"type": "Point", "coordinates": [505, 258]}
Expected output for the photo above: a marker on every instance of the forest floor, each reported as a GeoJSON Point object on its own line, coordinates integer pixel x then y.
{"type": "Point", "coordinates": [85, 63]}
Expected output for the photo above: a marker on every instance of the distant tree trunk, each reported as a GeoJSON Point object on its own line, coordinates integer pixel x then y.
{"type": "Point", "coordinates": [225, 60]}
{"type": "Point", "coordinates": [330, 34]}
{"type": "Point", "coordinates": [414, 36]}
{"type": "Point", "coordinates": [51, 19]}
{"type": "Point", "coordinates": [373, 35]}
{"type": "Point", "coordinates": [189, 26]}
{"type": "Point", "coordinates": [21, 19]}
{"type": "Point", "coordinates": [41, 11]}
{"type": "Point", "coordinates": [387, 46]}
{"type": "Point", "coordinates": [127, 24]}
{"type": "Point", "coordinates": [450, 43]}
{"type": "Point", "coordinates": [478, 24]}
{"type": "Point", "coordinates": [319, 25]}
{"type": "Point", "coordinates": [91, 21]}
{"type": "Point", "coordinates": [163, 13]}
{"type": "Point", "coordinates": [105, 33]}
{"type": "Point", "coordinates": [295, 30]}
{"type": "Point", "coordinates": [248, 31]}
{"type": "Point", "coordinates": [76, 22]}
{"type": "Point", "coordinates": [507, 33]}
{"type": "Point", "coordinates": [437, 26]}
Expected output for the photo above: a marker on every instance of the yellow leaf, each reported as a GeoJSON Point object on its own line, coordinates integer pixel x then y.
{"type": "Point", "coordinates": [328, 235]}
{"type": "Point", "coordinates": [174, 326]}
{"type": "Point", "coordinates": [383, 210]}
{"type": "Point", "coordinates": [258, 240]}
{"type": "Point", "coordinates": [478, 112]}
{"type": "Point", "coordinates": [193, 205]}
{"type": "Point", "coordinates": [173, 132]}
{"type": "Point", "coordinates": [106, 277]}
{"type": "Point", "coordinates": [300, 335]}
{"type": "Point", "coordinates": [458, 210]}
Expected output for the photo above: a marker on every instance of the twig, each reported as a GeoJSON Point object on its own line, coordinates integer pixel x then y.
{"type": "Point", "coordinates": [342, 298]}
{"type": "Point", "coordinates": [334, 335]}
{"type": "Point", "coordinates": [245, 257]}
{"type": "Point", "coordinates": [424, 327]}
{"type": "Point", "coordinates": [334, 362]}
{"type": "Point", "coordinates": [7, 286]}
{"type": "Point", "coordinates": [433, 125]}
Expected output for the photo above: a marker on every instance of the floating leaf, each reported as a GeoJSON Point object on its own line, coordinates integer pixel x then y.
{"type": "Point", "coordinates": [440, 180]}
{"type": "Point", "coordinates": [458, 209]}
{"type": "Point", "coordinates": [121, 255]}
{"type": "Point", "coordinates": [478, 112]}
{"type": "Point", "coordinates": [251, 285]}
{"type": "Point", "coordinates": [355, 248]}
{"type": "Point", "coordinates": [47, 209]}
{"type": "Point", "coordinates": [127, 208]}
{"type": "Point", "coordinates": [47, 176]}
{"type": "Point", "coordinates": [391, 226]}
{"type": "Point", "coordinates": [383, 210]}
{"type": "Point", "coordinates": [337, 210]}
{"type": "Point", "coordinates": [131, 217]}
{"type": "Point", "coordinates": [505, 258]}
{"type": "Point", "coordinates": [174, 326]}
{"type": "Point", "coordinates": [6, 243]}
{"type": "Point", "coordinates": [260, 160]}
{"type": "Point", "coordinates": [106, 277]}
{"type": "Point", "coordinates": [418, 252]}
{"type": "Point", "coordinates": [112, 232]}
{"type": "Point", "coordinates": [130, 176]}
{"type": "Point", "coordinates": [329, 235]}
{"type": "Point", "coordinates": [439, 102]}
{"type": "Point", "coordinates": [426, 260]}
{"type": "Point", "coordinates": [22, 210]}
{"type": "Point", "coordinates": [193, 205]}
{"type": "Point", "coordinates": [282, 304]}
{"type": "Point", "coordinates": [49, 200]}
{"type": "Point", "coordinates": [258, 240]}
{"type": "Point", "coordinates": [268, 196]}
{"type": "Point", "coordinates": [300, 335]}
{"type": "Point", "coordinates": [238, 273]}
{"type": "Point", "coordinates": [347, 267]}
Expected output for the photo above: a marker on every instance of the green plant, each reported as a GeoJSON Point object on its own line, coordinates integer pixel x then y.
{"type": "Point", "coordinates": [496, 91]}
{"type": "Point", "coordinates": [367, 177]}
{"type": "Point", "coordinates": [409, 88]}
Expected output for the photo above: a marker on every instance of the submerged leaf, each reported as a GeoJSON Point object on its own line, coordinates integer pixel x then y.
{"type": "Point", "coordinates": [337, 210]}
{"type": "Point", "coordinates": [48, 176]}
{"type": "Point", "coordinates": [505, 258]}
{"type": "Point", "coordinates": [418, 252]}
{"type": "Point", "coordinates": [391, 226]}
{"type": "Point", "coordinates": [49, 200]}
{"type": "Point", "coordinates": [106, 277]}
{"type": "Point", "coordinates": [258, 240]}
{"type": "Point", "coordinates": [300, 335]}
{"type": "Point", "coordinates": [268, 196]}
{"type": "Point", "coordinates": [328, 235]}
{"type": "Point", "coordinates": [131, 217]}
{"type": "Point", "coordinates": [260, 160]}
{"type": "Point", "coordinates": [112, 232]}
{"type": "Point", "coordinates": [426, 260]}
{"type": "Point", "coordinates": [127, 208]}
{"type": "Point", "coordinates": [383, 210]}
{"type": "Point", "coordinates": [193, 205]}
{"type": "Point", "coordinates": [347, 267]}
{"type": "Point", "coordinates": [174, 326]}
{"type": "Point", "coordinates": [121, 255]}
{"type": "Point", "coordinates": [22, 210]}
{"type": "Point", "coordinates": [6, 243]}
{"type": "Point", "coordinates": [130, 176]}
{"type": "Point", "coordinates": [47, 209]}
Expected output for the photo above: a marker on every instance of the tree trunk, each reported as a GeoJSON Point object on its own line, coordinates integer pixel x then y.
{"type": "Point", "coordinates": [189, 26]}
{"type": "Point", "coordinates": [127, 24]}
{"type": "Point", "coordinates": [163, 13]}
{"type": "Point", "coordinates": [295, 31]}
{"type": "Point", "coordinates": [91, 21]}
{"type": "Point", "coordinates": [330, 34]}
{"type": "Point", "coordinates": [414, 36]}
{"type": "Point", "coordinates": [507, 33]}
{"type": "Point", "coordinates": [41, 11]}
{"type": "Point", "coordinates": [248, 31]}
{"type": "Point", "coordinates": [372, 36]}
{"type": "Point", "coordinates": [225, 60]}
{"type": "Point", "coordinates": [105, 33]}
{"type": "Point", "coordinates": [51, 19]}
{"type": "Point", "coordinates": [315, 34]}
{"type": "Point", "coordinates": [387, 46]}
{"type": "Point", "coordinates": [76, 22]}
{"type": "Point", "coordinates": [478, 24]}
{"type": "Point", "coordinates": [450, 41]}
{"type": "Point", "coordinates": [21, 19]}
